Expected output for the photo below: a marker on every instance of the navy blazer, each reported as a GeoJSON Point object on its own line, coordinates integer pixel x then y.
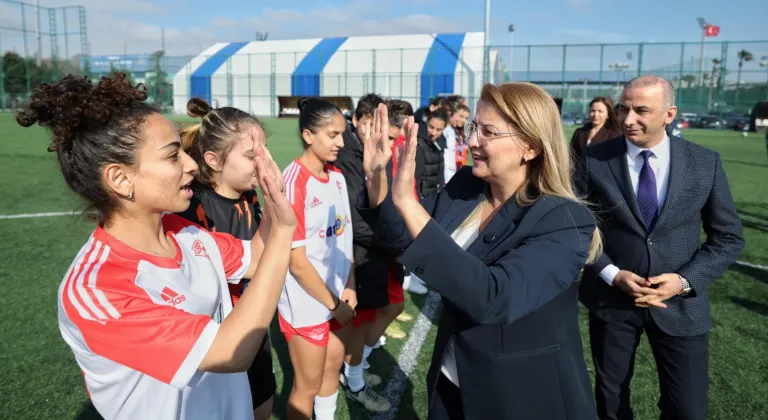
{"type": "Point", "coordinates": [510, 300]}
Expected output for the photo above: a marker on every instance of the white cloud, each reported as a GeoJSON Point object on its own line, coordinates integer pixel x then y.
{"type": "Point", "coordinates": [115, 25]}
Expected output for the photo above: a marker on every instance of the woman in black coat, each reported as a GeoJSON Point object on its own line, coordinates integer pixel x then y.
{"type": "Point", "coordinates": [503, 244]}
{"type": "Point", "coordinates": [602, 125]}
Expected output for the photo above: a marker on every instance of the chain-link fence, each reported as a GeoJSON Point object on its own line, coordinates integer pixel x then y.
{"type": "Point", "coordinates": [38, 45]}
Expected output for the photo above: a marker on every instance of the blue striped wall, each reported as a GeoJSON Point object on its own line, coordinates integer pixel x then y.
{"type": "Point", "coordinates": [437, 76]}
{"type": "Point", "coordinates": [305, 80]}
{"type": "Point", "coordinates": [200, 80]}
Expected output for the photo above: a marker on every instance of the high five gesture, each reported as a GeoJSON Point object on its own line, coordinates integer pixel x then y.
{"type": "Point", "coordinates": [376, 155]}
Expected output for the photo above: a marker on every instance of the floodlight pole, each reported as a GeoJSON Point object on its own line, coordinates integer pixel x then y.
{"type": "Point", "coordinates": [703, 25]}
{"type": "Point", "coordinates": [486, 42]}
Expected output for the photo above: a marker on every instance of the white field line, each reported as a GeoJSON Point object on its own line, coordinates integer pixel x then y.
{"type": "Point", "coordinates": [36, 215]}
{"type": "Point", "coordinates": [409, 355]}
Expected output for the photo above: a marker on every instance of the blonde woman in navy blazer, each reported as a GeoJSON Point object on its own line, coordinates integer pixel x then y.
{"type": "Point", "coordinates": [503, 244]}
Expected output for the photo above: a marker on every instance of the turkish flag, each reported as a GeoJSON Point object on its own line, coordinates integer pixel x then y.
{"type": "Point", "coordinates": [711, 30]}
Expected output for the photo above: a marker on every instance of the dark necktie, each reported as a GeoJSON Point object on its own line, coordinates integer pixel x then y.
{"type": "Point", "coordinates": [647, 200]}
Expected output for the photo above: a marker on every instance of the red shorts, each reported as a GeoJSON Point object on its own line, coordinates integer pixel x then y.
{"type": "Point", "coordinates": [319, 334]}
{"type": "Point", "coordinates": [315, 334]}
{"type": "Point", "coordinates": [394, 288]}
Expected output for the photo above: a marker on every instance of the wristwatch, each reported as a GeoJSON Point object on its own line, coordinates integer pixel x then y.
{"type": "Point", "coordinates": [686, 286]}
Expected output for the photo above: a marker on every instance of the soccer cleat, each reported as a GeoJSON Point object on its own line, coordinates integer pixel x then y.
{"type": "Point", "coordinates": [371, 400]}
{"type": "Point", "coordinates": [370, 379]}
{"type": "Point", "coordinates": [404, 317]}
{"type": "Point", "coordinates": [394, 331]}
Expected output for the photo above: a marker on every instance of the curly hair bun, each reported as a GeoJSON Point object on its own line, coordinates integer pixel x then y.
{"type": "Point", "coordinates": [75, 104]}
{"type": "Point", "coordinates": [198, 108]}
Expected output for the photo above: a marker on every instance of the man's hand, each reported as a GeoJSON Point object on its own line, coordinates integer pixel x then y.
{"type": "Point", "coordinates": [349, 296]}
{"type": "Point", "coordinates": [669, 285]}
{"type": "Point", "coordinates": [632, 284]}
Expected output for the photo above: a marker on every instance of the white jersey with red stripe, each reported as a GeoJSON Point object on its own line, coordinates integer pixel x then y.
{"type": "Point", "coordinates": [140, 325]}
{"type": "Point", "coordinates": [325, 230]}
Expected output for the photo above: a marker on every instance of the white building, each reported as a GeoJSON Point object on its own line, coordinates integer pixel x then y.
{"type": "Point", "coordinates": [415, 68]}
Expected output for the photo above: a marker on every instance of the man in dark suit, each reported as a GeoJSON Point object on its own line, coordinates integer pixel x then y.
{"type": "Point", "coordinates": [653, 194]}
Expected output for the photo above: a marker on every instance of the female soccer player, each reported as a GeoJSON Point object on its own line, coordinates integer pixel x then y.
{"type": "Point", "coordinates": [145, 306]}
{"type": "Point", "coordinates": [319, 297]}
{"type": "Point", "coordinates": [222, 145]}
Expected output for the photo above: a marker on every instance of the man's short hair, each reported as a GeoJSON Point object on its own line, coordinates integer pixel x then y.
{"type": "Point", "coordinates": [651, 80]}
{"type": "Point", "coordinates": [367, 105]}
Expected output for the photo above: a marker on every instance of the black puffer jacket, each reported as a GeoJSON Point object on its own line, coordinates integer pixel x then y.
{"type": "Point", "coordinates": [372, 261]}
{"type": "Point", "coordinates": [430, 164]}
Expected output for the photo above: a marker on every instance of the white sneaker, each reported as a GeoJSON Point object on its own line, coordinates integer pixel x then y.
{"type": "Point", "coordinates": [371, 400]}
{"type": "Point", "coordinates": [416, 285]}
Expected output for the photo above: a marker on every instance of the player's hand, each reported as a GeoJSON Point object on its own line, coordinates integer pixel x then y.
{"type": "Point", "coordinates": [376, 149]}
{"type": "Point", "coordinates": [633, 285]}
{"type": "Point", "coordinates": [343, 313]}
{"type": "Point", "coordinates": [349, 296]}
{"type": "Point", "coordinates": [402, 185]}
{"type": "Point", "coordinates": [276, 209]}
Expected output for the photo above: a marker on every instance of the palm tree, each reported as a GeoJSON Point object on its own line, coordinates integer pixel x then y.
{"type": "Point", "coordinates": [744, 56]}
{"type": "Point", "coordinates": [689, 79]}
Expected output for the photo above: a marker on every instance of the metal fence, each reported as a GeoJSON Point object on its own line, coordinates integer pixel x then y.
{"type": "Point", "coordinates": [727, 77]}
{"type": "Point", "coordinates": [38, 45]}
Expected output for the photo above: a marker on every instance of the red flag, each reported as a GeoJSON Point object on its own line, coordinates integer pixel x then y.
{"type": "Point", "coordinates": [711, 30]}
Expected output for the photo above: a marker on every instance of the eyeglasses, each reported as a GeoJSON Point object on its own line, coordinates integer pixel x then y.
{"type": "Point", "coordinates": [485, 135]}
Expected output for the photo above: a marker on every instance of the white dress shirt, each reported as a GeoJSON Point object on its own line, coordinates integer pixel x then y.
{"type": "Point", "coordinates": [463, 236]}
{"type": "Point", "coordinates": [449, 154]}
{"type": "Point", "coordinates": [659, 161]}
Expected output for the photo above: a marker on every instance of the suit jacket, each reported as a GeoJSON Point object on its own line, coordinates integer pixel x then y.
{"type": "Point", "coordinates": [697, 196]}
{"type": "Point", "coordinates": [510, 300]}
{"type": "Point", "coordinates": [581, 135]}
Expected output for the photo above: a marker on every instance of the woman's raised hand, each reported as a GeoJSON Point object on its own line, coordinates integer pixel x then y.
{"type": "Point", "coordinates": [403, 184]}
{"type": "Point", "coordinates": [277, 209]}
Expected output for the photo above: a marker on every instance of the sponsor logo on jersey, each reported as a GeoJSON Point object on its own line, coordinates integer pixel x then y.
{"type": "Point", "coordinates": [199, 249]}
{"type": "Point", "coordinates": [315, 202]}
{"type": "Point", "coordinates": [337, 228]}
{"type": "Point", "coordinates": [172, 298]}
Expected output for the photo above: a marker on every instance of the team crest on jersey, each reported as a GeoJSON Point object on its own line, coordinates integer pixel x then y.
{"type": "Point", "coordinates": [199, 249]}
{"type": "Point", "coordinates": [338, 185]}
{"type": "Point", "coordinates": [337, 229]}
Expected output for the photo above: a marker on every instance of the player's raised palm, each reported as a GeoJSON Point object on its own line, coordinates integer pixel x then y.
{"type": "Point", "coordinates": [402, 185]}
{"type": "Point", "coordinates": [276, 209]}
{"type": "Point", "coordinates": [377, 152]}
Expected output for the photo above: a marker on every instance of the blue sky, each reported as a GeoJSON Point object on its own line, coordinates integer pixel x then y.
{"type": "Point", "coordinates": [190, 25]}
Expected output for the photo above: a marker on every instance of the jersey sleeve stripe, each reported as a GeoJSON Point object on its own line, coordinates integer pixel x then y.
{"type": "Point", "coordinates": [74, 275]}
{"type": "Point", "coordinates": [290, 181]}
{"type": "Point", "coordinates": [66, 296]}
{"type": "Point", "coordinates": [105, 304]}
{"type": "Point", "coordinates": [245, 262]}
{"type": "Point", "coordinates": [191, 363]}
{"type": "Point", "coordinates": [83, 291]}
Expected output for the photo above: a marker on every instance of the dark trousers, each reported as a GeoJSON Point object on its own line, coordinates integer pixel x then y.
{"type": "Point", "coordinates": [446, 403]}
{"type": "Point", "coordinates": [681, 362]}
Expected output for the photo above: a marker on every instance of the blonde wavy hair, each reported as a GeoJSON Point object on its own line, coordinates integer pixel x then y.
{"type": "Point", "coordinates": [533, 114]}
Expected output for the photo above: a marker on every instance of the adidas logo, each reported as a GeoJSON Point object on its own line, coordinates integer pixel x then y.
{"type": "Point", "coordinates": [172, 298]}
{"type": "Point", "coordinates": [315, 202]}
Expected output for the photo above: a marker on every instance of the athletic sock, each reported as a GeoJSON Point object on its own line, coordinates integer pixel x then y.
{"type": "Point", "coordinates": [354, 376]}
{"type": "Point", "coordinates": [325, 407]}
{"type": "Point", "coordinates": [366, 352]}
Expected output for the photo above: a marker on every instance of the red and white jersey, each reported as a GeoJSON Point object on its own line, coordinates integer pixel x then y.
{"type": "Point", "coordinates": [325, 229]}
{"type": "Point", "coordinates": [140, 325]}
